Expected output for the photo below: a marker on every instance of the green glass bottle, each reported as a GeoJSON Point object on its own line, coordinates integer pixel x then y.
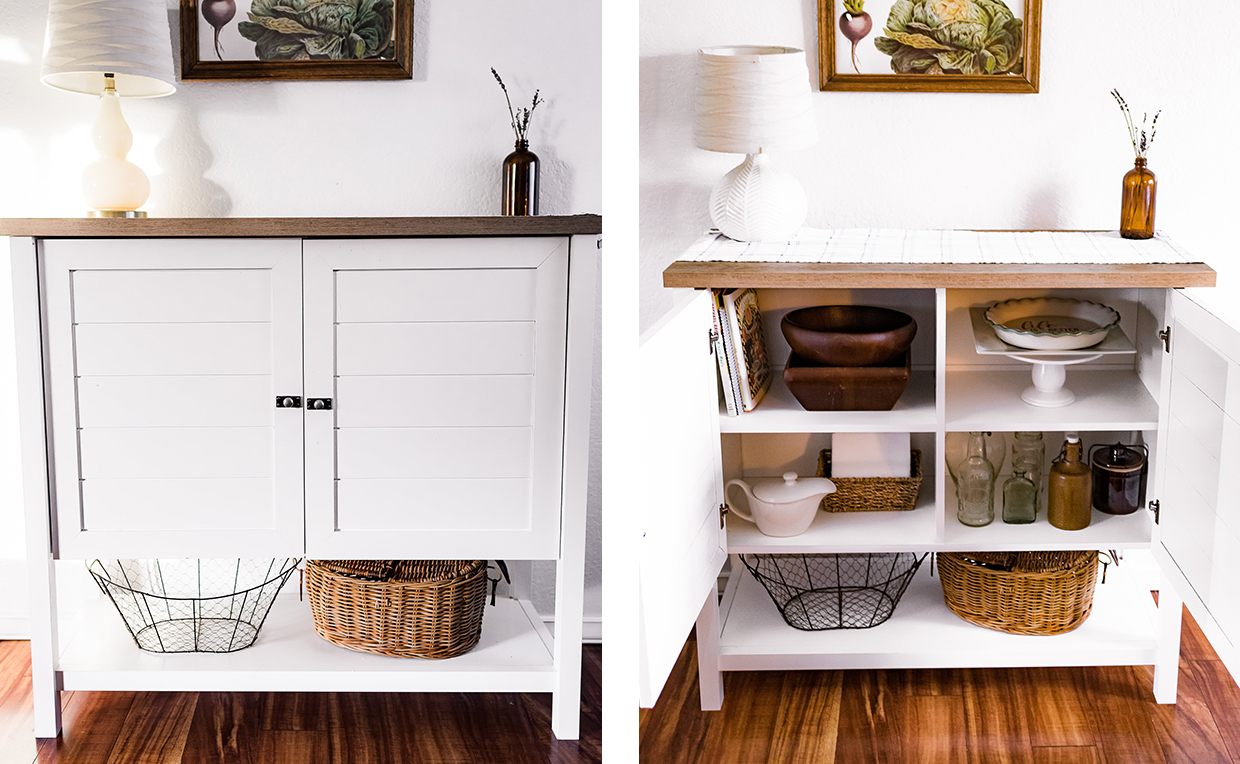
{"type": "Point", "coordinates": [1020, 498]}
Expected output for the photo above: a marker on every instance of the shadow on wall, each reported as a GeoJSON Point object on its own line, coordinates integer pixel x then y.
{"type": "Point", "coordinates": [421, 39]}
{"type": "Point", "coordinates": [1045, 209]}
{"type": "Point", "coordinates": [555, 183]}
{"type": "Point", "coordinates": [183, 190]}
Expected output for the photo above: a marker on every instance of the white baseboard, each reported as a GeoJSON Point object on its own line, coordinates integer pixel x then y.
{"type": "Point", "coordinates": [14, 627]}
{"type": "Point", "coordinates": [591, 628]}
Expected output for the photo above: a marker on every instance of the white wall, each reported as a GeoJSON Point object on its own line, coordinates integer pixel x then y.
{"type": "Point", "coordinates": [430, 146]}
{"type": "Point", "coordinates": [906, 160]}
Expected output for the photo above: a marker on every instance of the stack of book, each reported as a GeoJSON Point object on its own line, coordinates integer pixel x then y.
{"type": "Point", "coordinates": [740, 348]}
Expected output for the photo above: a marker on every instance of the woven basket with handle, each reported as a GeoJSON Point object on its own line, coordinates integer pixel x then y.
{"type": "Point", "coordinates": [1020, 592]}
{"type": "Point", "coordinates": [399, 608]}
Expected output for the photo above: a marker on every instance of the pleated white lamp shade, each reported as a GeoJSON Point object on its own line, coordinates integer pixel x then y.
{"type": "Point", "coordinates": [128, 38]}
{"type": "Point", "coordinates": [752, 98]}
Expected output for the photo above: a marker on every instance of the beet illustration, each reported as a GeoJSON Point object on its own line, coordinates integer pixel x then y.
{"type": "Point", "coordinates": [855, 24]}
{"type": "Point", "coordinates": [218, 13]}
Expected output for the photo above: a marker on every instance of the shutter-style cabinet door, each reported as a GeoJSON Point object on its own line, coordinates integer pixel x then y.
{"type": "Point", "coordinates": [444, 362]}
{"type": "Point", "coordinates": [164, 360]}
{"type": "Point", "coordinates": [677, 494]}
{"type": "Point", "coordinates": [1198, 542]}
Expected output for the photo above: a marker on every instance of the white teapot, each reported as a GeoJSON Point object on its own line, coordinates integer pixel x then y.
{"type": "Point", "coordinates": [782, 507]}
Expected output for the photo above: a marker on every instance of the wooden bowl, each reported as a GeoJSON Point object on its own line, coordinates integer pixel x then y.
{"type": "Point", "coordinates": [849, 335]}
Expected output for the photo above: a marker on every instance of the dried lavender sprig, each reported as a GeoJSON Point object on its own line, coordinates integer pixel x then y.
{"type": "Point", "coordinates": [511, 115]}
{"type": "Point", "coordinates": [521, 124]}
{"type": "Point", "coordinates": [1141, 142]}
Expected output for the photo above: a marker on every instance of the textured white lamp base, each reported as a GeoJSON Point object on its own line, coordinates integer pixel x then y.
{"type": "Point", "coordinates": [756, 202]}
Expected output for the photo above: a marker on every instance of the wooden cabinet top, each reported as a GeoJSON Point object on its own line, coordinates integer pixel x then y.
{"type": "Point", "coordinates": [356, 227]}
{"type": "Point", "coordinates": [891, 259]}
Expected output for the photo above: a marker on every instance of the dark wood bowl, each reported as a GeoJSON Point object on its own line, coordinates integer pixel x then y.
{"type": "Point", "coordinates": [849, 335]}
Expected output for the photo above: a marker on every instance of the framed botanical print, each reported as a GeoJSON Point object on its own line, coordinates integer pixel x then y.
{"type": "Point", "coordinates": [972, 46]}
{"type": "Point", "coordinates": [296, 39]}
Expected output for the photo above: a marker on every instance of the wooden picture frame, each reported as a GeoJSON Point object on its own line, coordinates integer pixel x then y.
{"type": "Point", "coordinates": [831, 78]}
{"type": "Point", "coordinates": [193, 67]}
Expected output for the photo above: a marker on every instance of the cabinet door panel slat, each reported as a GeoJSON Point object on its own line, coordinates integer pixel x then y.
{"type": "Point", "coordinates": [435, 401]}
{"type": "Point", "coordinates": [449, 348]}
{"type": "Point", "coordinates": [436, 295]}
{"type": "Point", "coordinates": [472, 452]}
{"type": "Point", "coordinates": [176, 401]}
{"type": "Point", "coordinates": [433, 504]}
{"type": "Point", "coordinates": [178, 504]}
{"type": "Point", "coordinates": [177, 452]}
{"type": "Point", "coordinates": [114, 349]}
{"type": "Point", "coordinates": [171, 296]}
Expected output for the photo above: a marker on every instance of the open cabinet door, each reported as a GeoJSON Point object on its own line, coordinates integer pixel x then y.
{"type": "Point", "coordinates": [1198, 543]}
{"type": "Point", "coordinates": [677, 494]}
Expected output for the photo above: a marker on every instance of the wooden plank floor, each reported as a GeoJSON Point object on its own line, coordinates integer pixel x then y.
{"type": "Point", "coordinates": [1102, 715]}
{"type": "Point", "coordinates": [294, 728]}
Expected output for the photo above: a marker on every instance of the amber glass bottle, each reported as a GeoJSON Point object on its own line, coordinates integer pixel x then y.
{"type": "Point", "coordinates": [1068, 489]}
{"type": "Point", "coordinates": [521, 181]}
{"type": "Point", "coordinates": [1136, 212]}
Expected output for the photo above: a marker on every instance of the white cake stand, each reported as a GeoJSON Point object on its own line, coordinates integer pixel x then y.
{"type": "Point", "coordinates": [1049, 366]}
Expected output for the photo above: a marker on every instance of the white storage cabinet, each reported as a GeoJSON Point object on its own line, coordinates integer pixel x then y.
{"type": "Point", "coordinates": [1180, 396]}
{"type": "Point", "coordinates": [386, 395]}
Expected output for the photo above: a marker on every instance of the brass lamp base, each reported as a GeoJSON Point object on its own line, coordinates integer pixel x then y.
{"type": "Point", "coordinates": [116, 213]}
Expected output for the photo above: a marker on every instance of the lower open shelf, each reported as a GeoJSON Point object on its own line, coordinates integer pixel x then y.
{"type": "Point", "coordinates": [923, 633]}
{"type": "Point", "coordinates": [514, 655]}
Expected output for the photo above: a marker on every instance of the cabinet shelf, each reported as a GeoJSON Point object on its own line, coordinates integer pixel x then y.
{"type": "Point", "coordinates": [514, 655]}
{"type": "Point", "coordinates": [780, 412]}
{"type": "Point", "coordinates": [847, 531]}
{"type": "Point", "coordinates": [923, 633]}
{"type": "Point", "coordinates": [1114, 400]}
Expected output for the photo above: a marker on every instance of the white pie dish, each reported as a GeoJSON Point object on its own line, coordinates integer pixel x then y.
{"type": "Point", "coordinates": [1051, 323]}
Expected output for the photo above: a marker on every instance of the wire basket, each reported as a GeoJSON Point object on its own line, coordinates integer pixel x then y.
{"type": "Point", "coordinates": [192, 606]}
{"type": "Point", "coordinates": [817, 592]}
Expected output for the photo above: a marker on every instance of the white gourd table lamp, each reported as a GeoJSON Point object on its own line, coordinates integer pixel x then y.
{"type": "Point", "coordinates": [752, 98]}
{"type": "Point", "coordinates": [113, 49]}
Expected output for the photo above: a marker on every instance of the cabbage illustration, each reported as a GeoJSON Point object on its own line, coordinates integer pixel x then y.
{"type": "Point", "coordinates": [952, 37]}
{"type": "Point", "coordinates": [302, 30]}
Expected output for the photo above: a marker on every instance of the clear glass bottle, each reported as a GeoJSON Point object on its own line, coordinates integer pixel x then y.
{"type": "Point", "coordinates": [1068, 488]}
{"type": "Point", "coordinates": [1020, 498]}
{"type": "Point", "coordinates": [1029, 455]}
{"type": "Point", "coordinates": [975, 485]}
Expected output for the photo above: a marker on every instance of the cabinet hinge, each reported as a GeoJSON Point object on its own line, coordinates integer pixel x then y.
{"type": "Point", "coordinates": [1165, 336]}
{"type": "Point", "coordinates": [714, 337]}
{"type": "Point", "coordinates": [1155, 508]}
{"type": "Point", "coordinates": [723, 510]}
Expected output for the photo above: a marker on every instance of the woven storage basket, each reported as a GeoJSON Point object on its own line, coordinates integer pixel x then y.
{"type": "Point", "coordinates": [870, 494]}
{"type": "Point", "coordinates": [1020, 592]}
{"type": "Point", "coordinates": [400, 608]}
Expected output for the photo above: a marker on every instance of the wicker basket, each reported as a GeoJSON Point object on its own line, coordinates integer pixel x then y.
{"type": "Point", "coordinates": [399, 608]}
{"type": "Point", "coordinates": [1020, 592]}
{"type": "Point", "coordinates": [873, 494]}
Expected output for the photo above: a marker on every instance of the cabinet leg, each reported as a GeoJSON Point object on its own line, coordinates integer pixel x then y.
{"type": "Point", "coordinates": [1167, 660]}
{"type": "Point", "coordinates": [710, 678]}
{"type": "Point", "coordinates": [569, 604]}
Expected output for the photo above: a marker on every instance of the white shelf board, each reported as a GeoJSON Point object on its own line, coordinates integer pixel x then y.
{"type": "Point", "coordinates": [1105, 400]}
{"type": "Point", "coordinates": [847, 531]}
{"type": "Point", "coordinates": [780, 412]}
{"type": "Point", "coordinates": [923, 633]}
{"type": "Point", "coordinates": [514, 655]}
{"type": "Point", "coordinates": [1103, 532]}
{"type": "Point", "coordinates": [986, 342]}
